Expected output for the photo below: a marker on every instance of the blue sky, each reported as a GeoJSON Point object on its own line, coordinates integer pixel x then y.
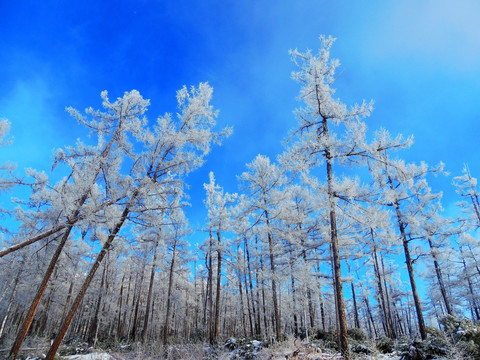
{"type": "Point", "coordinates": [418, 60]}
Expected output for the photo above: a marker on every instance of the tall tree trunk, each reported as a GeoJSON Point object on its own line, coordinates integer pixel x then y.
{"type": "Point", "coordinates": [255, 310]}
{"type": "Point", "coordinates": [92, 333]}
{"type": "Point", "coordinates": [369, 311]}
{"type": "Point", "coordinates": [169, 294]}
{"type": "Point", "coordinates": [242, 304]}
{"type": "Point", "coordinates": [210, 290]}
{"type": "Point", "coordinates": [337, 272]}
{"type": "Point", "coordinates": [119, 318]}
{"type": "Point", "coordinates": [311, 310]}
{"type": "Point", "coordinates": [10, 302]}
{"type": "Point", "coordinates": [355, 308]}
{"type": "Point", "coordinates": [294, 300]}
{"type": "Point", "coordinates": [38, 296]}
{"type": "Point", "coordinates": [71, 220]}
{"type": "Point", "coordinates": [387, 298]}
{"type": "Point", "coordinates": [470, 288]}
{"type": "Point", "coordinates": [86, 284]}
{"type": "Point", "coordinates": [274, 282]}
{"type": "Point", "coordinates": [376, 268]}
{"type": "Point", "coordinates": [150, 290]}
{"type": "Point", "coordinates": [418, 306]}
{"type": "Point", "coordinates": [219, 277]}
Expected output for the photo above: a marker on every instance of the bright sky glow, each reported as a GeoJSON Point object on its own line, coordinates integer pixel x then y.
{"type": "Point", "coordinates": [418, 60]}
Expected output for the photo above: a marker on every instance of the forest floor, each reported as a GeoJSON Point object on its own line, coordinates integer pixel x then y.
{"type": "Point", "coordinates": [232, 349]}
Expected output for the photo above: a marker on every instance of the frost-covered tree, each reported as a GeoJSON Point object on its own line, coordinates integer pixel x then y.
{"type": "Point", "coordinates": [68, 199]}
{"type": "Point", "coordinates": [219, 205]}
{"type": "Point", "coordinates": [404, 188]}
{"type": "Point", "coordinates": [466, 186]}
{"type": "Point", "coordinates": [328, 132]}
{"type": "Point", "coordinates": [174, 148]}
{"type": "Point", "coordinates": [264, 181]}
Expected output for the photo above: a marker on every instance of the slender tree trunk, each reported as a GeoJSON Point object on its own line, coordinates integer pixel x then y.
{"type": "Point", "coordinates": [387, 298]}
{"type": "Point", "coordinates": [294, 300]}
{"type": "Point", "coordinates": [255, 310]}
{"type": "Point", "coordinates": [149, 296]}
{"type": "Point", "coordinates": [219, 277]}
{"type": "Point", "coordinates": [311, 310]}
{"type": "Point", "coordinates": [381, 296]}
{"type": "Point", "coordinates": [37, 238]}
{"type": "Point", "coordinates": [10, 303]}
{"type": "Point", "coordinates": [355, 308]}
{"type": "Point", "coordinates": [38, 297]}
{"type": "Point", "coordinates": [119, 318]}
{"type": "Point", "coordinates": [337, 272]}
{"type": "Point", "coordinates": [169, 294]}
{"type": "Point", "coordinates": [86, 284]}
{"type": "Point", "coordinates": [242, 304]}
{"type": "Point", "coordinates": [92, 333]}
{"type": "Point", "coordinates": [470, 288]}
{"type": "Point", "coordinates": [210, 290]}
{"type": "Point", "coordinates": [369, 311]}
{"type": "Point", "coordinates": [274, 282]}
{"type": "Point", "coordinates": [71, 220]}
{"type": "Point", "coordinates": [418, 306]}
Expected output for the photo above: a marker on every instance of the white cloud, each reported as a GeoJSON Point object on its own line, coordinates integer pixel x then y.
{"type": "Point", "coordinates": [440, 32]}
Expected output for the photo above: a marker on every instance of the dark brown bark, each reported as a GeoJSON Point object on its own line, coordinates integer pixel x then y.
{"type": "Point", "coordinates": [274, 283]}
{"type": "Point", "coordinates": [10, 302]}
{"type": "Point", "coordinates": [210, 290]}
{"type": "Point", "coordinates": [35, 239]}
{"type": "Point", "coordinates": [169, 294]}
{"type": "Point", "coordinates": [418, 306]}
{"type": "Point", "coordinates": [242, 304]}
{"type": "Point", "coordinates": [370, 316]}
{"type": "Point", "coordinates": [86, 284]}
{"type": "Point", "coordinates": [92, 332]}
{"type": "Point", "coordinates": [218, 291]}
{"type": "Point", "coordinates": [381, 296]}
{"type": "Point", "coordinates": [387, 298]}
{"type": "Point", "coordinates": [38, 297]}
{"type": "Point", "coordinates": [337, 273]}
{"type": "Point", "coordinates": [250, 284]}
{"type": "Point", "coordinates": [71, 220]}
{"type": "Point", "coordinates": [149, 296]}
{"type": "Point", "coordinates": [357, 321]}
{"type": "Point", "coordinates": [294, 297]}
{"type": "Point", "coordinates": [119, 318]}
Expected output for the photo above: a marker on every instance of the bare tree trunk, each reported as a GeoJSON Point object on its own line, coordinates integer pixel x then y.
{"type": "Point", "coordinates": [92, 332]}
{"type": "Point", "coordinates": [37, 238]}
{"type": "Point", "coordinates": [357, 321]}
{"type": "Point", "coordinates": [169, 293]}
{"type": "Point", "coordinates": [274, 282]}
{"type": "Point", "coordinates": [337, 273]}
{"type": "Point", "coordinates": [150, 290]}
{"type": "Point", "coordinates": [38, 297]}
{"type": "Point", "coordinates": [387, 298]}
{"type": "Point", "coordinates": [219, 276]}
{"type": "Point", "coordinates": [470, 288]}
{"type": "Point", "coordinates": [381, 297]}
{"type": "Point", "coordinates": [294, 296]}
{"type": "Point", "coordinates": [86, 284]}
{"type": "Point", "coordinates": [136, 301]}
{"type": "Point", "coordinates": [441, 283]}
{"type": "Point", "coordinates": [370, 316]}
{"type": "Point", "coordinates": [242, 305]}
{"type": "Point", "coordinates": [119, 318]}
{"type": "Point", "coordinates": [254, 309]}
{"type": "Point", "coordinates": [10, 302]}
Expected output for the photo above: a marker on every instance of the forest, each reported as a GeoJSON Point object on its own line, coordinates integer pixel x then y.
{"type": "Point", "coordinates": [337, 234]}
